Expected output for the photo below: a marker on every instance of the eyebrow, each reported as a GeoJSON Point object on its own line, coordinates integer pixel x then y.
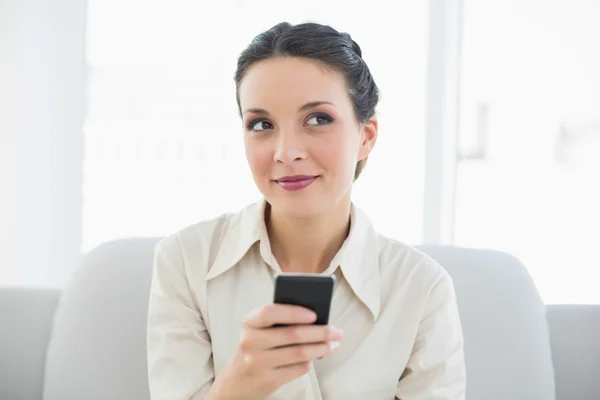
{"type": "Point", "coordinates": [307, 106]}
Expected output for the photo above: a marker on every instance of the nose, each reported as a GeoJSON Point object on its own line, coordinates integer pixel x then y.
{"type": "Point", "coordinates": [289, 148]}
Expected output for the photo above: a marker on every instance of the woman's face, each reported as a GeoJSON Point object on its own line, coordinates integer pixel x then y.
{"type": "Point", "coordinates": [301, 136]}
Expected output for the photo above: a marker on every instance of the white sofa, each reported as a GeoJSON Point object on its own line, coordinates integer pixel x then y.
{"type": "Point", "coordinates": [88, 342]}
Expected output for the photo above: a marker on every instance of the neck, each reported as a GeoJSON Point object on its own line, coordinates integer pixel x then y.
{"type": "Point", "coordinates": [308, 245]}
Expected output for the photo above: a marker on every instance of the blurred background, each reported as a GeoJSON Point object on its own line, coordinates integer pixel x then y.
{"type": "Point", "coordinates": [118, 119]}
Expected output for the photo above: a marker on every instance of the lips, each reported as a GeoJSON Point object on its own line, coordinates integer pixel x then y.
{"type": "Point", "coordinates": [296, 182]}
{"type": "Point", "coordinates": [295, 178]}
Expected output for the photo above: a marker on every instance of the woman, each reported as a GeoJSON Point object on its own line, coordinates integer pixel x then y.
{"type": "Point", "coordinates": [307, 100]}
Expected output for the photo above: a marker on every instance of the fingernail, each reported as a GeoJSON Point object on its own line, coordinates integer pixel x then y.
{"type": "Point", "coordinates": [336, 332]}
{"type": "Point", "coordinates": [309, 316]}
{"type": "Point", "coordinates": [334, 345]}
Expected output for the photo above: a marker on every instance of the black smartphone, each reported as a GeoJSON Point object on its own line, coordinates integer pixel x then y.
{"type": "Point", "coordinates": [312, 291]}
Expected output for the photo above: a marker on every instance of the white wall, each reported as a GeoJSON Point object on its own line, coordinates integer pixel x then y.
{"type": "Point", "coordinates": [10, 124]}
{"type": "Point", "coordinates": [42, 101]}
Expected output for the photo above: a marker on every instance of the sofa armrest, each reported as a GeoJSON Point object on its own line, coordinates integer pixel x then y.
{"type": "Point", "coordinates": [575, 341]}
{"type": "Point", "coordinates": [26, 316]}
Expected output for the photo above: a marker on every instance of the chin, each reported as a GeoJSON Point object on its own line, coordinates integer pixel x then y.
{"type": "Point", "coordinates": [298, 207]}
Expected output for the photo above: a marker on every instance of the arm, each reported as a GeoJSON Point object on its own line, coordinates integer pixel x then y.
{"type": "Point", "coordinates": [179, 348]}
{"type": "Point", "coordinates": [436, 368]}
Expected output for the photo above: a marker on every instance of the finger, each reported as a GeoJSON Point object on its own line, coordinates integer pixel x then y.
{"type": "Point", "coordinates": [290, 372]}
{"type": "Point", "coordinates": [285, 356]}
{"type": "Point", "coordinates": [298, 334]}
{"type": "Point", "coordinates": [279, 314]}
{"type": "Point", "coordinates": [252, 340]}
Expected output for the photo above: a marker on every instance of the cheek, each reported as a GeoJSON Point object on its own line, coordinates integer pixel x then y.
{"type": "Point", "coordinates": [258, 157]}
{"type": "Point", "coordinates": [338, 152]}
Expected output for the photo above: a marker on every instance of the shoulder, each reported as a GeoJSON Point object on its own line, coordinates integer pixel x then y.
{"type": "Point", "coordinates": [411, 281]}
{"type": "Point", "coordinates": [404, 263]}
{"type": "Point", "coordinates": [398, 262]}
{"type": "Point", "coordinates": [197, 244]}
{"type": "Point", "coordinates": [199, 232]}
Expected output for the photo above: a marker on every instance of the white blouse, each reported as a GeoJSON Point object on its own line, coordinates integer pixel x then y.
{"type": "Point", "coordinates": [396, 306]}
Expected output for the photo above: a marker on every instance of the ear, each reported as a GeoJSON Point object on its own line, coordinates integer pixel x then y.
{"type": "Point", "coordinates": [369, 137]}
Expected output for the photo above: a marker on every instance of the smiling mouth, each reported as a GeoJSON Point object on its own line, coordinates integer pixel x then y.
{"type": "Point", "coordinates": [298, 182]}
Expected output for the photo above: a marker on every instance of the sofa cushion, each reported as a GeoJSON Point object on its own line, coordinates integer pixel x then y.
{"type": "Point", "coordinates": [97, 350]}
{"type": "Point", "coordinates": [25, 323]}
{"type": "Point", "coordinates": [575, 337]}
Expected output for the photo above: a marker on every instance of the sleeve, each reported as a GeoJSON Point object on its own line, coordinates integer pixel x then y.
{"type": "Point", "coordinates": [179, 350]}
{"type": "Point", "coordinates": [436, 368]}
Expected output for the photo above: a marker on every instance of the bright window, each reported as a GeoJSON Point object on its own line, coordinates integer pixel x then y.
{"type": "Point", "coordinates": [163, 139]}
{"type": "Point", "coordinates": [530, 121]}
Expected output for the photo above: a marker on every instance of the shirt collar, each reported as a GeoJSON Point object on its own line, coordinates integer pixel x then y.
{"type": "Point", "coordinates": [358, 258]}
{"type": "Point", "coordinates": [243, 231]}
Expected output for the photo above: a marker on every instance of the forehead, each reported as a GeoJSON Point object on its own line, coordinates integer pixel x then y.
{"type": "Point", "coordinates": [291, 81]}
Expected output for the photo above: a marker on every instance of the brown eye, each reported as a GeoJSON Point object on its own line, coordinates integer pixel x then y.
{"type": "Point", "coordinates": [319, 120]}
{"type": "Point", "coordinates": [259, 125]}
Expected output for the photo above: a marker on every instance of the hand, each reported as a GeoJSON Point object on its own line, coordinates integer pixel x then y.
{"type": "Point", "coordinates": [268, 357]}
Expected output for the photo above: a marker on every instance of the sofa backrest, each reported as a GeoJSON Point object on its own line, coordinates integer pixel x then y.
{"type": "Point", "coordinates": [507, 344]}
{"type": "Point", "coordinates": [98, 346]}
{"type": "Point", "coordinates": [97, 349]}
